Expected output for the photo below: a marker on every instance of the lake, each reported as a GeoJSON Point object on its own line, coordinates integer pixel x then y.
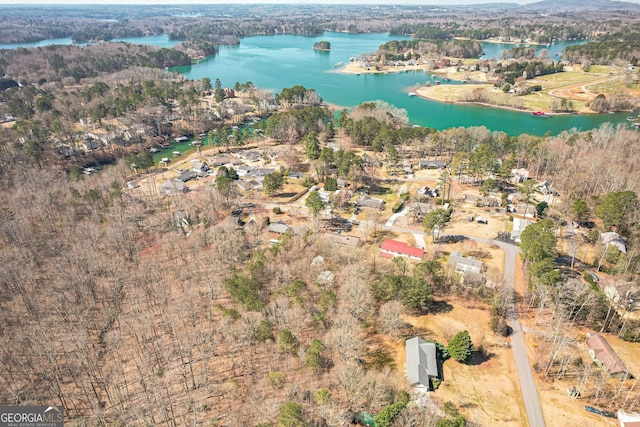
{"type": "Point", "coordinates": [276, 62]}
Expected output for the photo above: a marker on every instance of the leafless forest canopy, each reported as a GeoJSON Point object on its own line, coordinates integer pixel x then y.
{"type": "Point", "coordinates": [109, 307]}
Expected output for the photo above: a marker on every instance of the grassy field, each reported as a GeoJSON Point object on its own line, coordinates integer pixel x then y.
{"type": "Point", "coordinates": [577, 86]}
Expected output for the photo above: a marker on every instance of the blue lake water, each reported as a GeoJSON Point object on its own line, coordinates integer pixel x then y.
{"type": "Point", "coordinates": [276, 62]}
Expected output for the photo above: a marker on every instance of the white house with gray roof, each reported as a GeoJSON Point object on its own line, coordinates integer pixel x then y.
{"type": "Point", "coordinates": [469, 267]}
{"type": "Point", "coordinates": [421, 362]}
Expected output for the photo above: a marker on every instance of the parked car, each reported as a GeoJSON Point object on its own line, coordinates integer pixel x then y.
{"type": "Point", "coordinates": [594, 410]}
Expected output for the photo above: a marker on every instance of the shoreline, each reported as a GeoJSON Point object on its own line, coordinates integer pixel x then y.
{"type": "Point", "coordinates": [421, 93]}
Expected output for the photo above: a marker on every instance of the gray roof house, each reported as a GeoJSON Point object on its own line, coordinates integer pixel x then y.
{"type": "Point", "coordinates": [248, 185]}
{"type": "Point", "coordinates": [370, 202]}
{"type": "Point", "coordinates": [173, 187]}
{"type": "Point", "coordinates": [187, 175]}
{"type": "Point", "coordinates": [278, 227]}
{"type": "Point", "coordinates": [469, 267]}
{"type": "Point", "coordinates": [519, 224]}
{"type": "Point", "coordinates": [260, 172]}
{"type": "Point", "coordinates": [613, 239]}
{"type": "Point", "coordinates": [432, 164]}
{"type": "Point", "coordinates": [421, 362]}
{"type": "Point", "coordinates": [199, 167]}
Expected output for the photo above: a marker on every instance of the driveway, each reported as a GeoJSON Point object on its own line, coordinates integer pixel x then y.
{"type": "Point", "coordinates": [527, 385]}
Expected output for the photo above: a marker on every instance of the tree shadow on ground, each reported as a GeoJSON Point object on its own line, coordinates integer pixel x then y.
{"type": "Point", "coordinates": [440, 307]}
{"type": "Point", "coordinates": [480, 356]}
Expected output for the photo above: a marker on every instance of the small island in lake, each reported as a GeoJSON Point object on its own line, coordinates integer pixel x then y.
{"type": "Point", "coordinates": [322, 45]}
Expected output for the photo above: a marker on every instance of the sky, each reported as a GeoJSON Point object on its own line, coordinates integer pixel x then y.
{"type": "Point", "coordinates": [187, 2]}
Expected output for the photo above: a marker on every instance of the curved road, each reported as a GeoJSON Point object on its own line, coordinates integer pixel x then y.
{"type": "Point", "coordinates": [527, 385]}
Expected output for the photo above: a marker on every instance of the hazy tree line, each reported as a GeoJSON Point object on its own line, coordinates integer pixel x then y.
{"type": "Point", "coordinates": [617, 46]}
{"type": "Point", "coordinates": [60, 63]}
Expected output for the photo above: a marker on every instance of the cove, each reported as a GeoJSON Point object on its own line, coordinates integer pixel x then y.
{"type": "Point", "coordinates": [276, 62]}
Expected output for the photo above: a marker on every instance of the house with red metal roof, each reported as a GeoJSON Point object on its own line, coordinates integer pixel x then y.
{"type": "Point", "coordinates": [391, 248]}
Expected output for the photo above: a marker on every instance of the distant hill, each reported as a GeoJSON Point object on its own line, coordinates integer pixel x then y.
{"type": "Point", "coordinates": [576, 5]}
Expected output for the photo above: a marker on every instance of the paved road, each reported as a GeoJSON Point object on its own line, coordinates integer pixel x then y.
{"type": "Point", "coordinates": [527, 385]}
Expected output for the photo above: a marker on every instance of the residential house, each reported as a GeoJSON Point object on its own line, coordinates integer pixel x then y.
{"type": "Point", "coordinates": [91, 145]}
{"type": "Point", "coordinates": [278, 227]}
{"type": "Point", "coordinates": [334, 146]}
{"type": "Point", "coordinates": [199, 167]}
{"type": "Point", "coordinates": [224, 160]}
{"type": "Point", "coordinates": [519, 175]}
{"type": "Point", "coordinates": [519, 224]}
{"type": "Point", "coordinates": [605, 356]}
{"type": "Point", "coordinates": [370, 161]}
{"type": "Point", "coordinates": [626, 296]}
{"type": "Point", "coordinates": [296, 175]}
{"type": "Point", "coordinates": [370, 203]}
{"type": "Point", "coordinates": [173, 187]}
{"type": "Point", "coordinates": [249, 185]}
{"type": "Point", "coordinates": [546, 188]}
{"type": "Point", "coordinates": [524, 209]}
{"type": "Point", "coordinates": [392, 248]}
{"type": "Point", "coordinates": [432, 164]}
{"type": "Point", "coordinates": [187, 176]}
{"type": "Point", "coordinates": [613, 239]}
{"type": "Point", "coordinates": [251, 156]}
{"type": "Point", "coordinates": [242, 170]}
{"type": "Point", "coordinates": [260, 172]}
{"type": "Point", "coordinates": [628, 419]}
{"type": "Point", "coordinates": [421, 362]}
{"type": "Point", "coordinates": [469, 268]}
{"type": "Point", "coordinates": [419, 210]}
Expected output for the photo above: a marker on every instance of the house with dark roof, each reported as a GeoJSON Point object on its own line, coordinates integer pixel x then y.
{"type": "Point", "coordinates": [187, 175]}
{"type": "Point", "coordinates": [391, 248]}
{"type": "Point", "coordinates": [606, 357]}
{"type": "Point", "coordinates": [421, 362]}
